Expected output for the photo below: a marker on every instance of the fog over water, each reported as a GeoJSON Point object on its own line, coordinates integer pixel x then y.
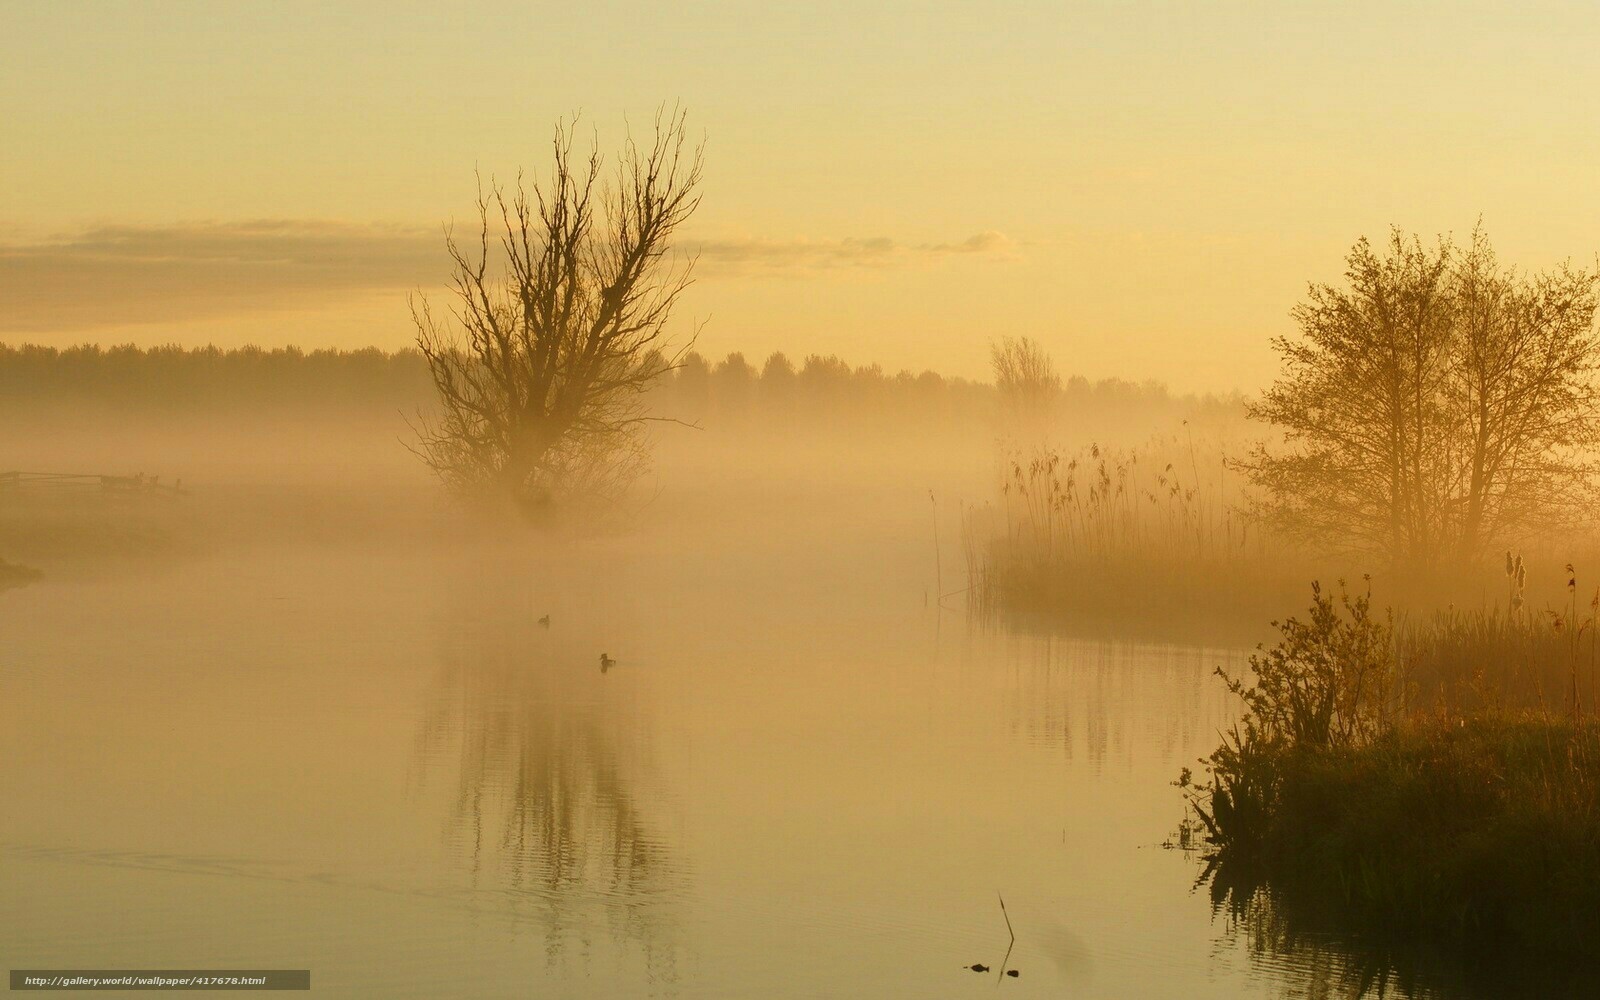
{"type": "Point", "coordinates": [307, 715]}
{"type": "Point", "coordinates": [332, 729]}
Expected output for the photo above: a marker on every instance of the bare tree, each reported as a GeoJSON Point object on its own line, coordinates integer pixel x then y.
{"type": "Point", "coordinates": [1435, 404]}
{"type": "Point", "coordinates": [1026, 379]}
{"type": "Point", "coordinates": [558, 324]}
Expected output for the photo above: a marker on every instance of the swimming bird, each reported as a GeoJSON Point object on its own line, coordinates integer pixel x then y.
{"type": "Point", "coordinates": [544, 622]}
{"type": "Point", "coordinates": [606, 662]}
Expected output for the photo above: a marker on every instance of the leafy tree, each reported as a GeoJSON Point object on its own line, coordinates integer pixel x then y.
{"type": "Point", "coordinates": [1433, 405]}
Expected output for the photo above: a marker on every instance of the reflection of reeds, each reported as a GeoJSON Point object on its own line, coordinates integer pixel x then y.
{"type": "Point", "coordinates": [13, 575]}
{"type": "Point", "coordinates": [546, 796]}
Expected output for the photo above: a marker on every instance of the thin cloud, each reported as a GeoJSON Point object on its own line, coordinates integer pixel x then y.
{"type": "Point", "coordinates": [879, 251]}
{"type": "Point", "coordinates": [116, 275]}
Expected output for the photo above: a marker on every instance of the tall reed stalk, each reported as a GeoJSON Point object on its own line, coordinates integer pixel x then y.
{"type": "Point", "coordinates": [1150, 530]}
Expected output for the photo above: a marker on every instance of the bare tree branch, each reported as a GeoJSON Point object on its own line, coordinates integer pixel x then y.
{"type": "Point", "coordinates": [561, 312]}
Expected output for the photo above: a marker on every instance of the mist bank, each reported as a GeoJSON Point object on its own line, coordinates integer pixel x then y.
{"type": "Point", "coordinates": [304, 438]}
{"type": "Point", "coordinates": [1112, 507]}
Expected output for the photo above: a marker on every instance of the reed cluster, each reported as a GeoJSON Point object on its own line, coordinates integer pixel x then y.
{"type": "Point", "coordinates": [1149, 531]}
{"type": "Point", "coordinates": [1507, 660]}
{"type": "Point", "coordinates": [1103, 506]}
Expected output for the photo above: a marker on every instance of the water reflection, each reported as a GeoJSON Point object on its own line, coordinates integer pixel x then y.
{"type": "Point", "coordinates": [1129, 716]}
{"type": "Point", "coordinates": [1300, 946]}
{"type": "Point", "coordinates": [546, 764]}
{"type": "Point", "coordinates": [1112, 701]}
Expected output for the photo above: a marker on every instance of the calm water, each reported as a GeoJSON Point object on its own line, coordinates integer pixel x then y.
{"type": "Point", "coordinates": [798, 780]}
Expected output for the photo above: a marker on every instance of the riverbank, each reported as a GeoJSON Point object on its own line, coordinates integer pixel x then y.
{"type": "Point", "coordinates": [1453, 832]}
{"type": "Point", "coordinates": [1355, 807]}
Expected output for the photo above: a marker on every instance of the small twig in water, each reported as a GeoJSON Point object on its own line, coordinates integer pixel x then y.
{"type": "Point", "coordinates": [1005, 961]}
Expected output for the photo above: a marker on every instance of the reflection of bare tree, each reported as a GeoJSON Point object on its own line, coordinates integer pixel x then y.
{"type": "Point", "coordinates": [549, 762]}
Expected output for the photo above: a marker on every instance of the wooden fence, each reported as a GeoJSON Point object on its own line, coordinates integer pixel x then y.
{"type": "Point", "coordinates": [66, 484]}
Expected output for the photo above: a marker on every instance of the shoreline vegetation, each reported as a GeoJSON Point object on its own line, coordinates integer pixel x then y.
{"type": "Point", "coordinates": [1382, 788]}
{"type": "Point", "coordinates": [1142, 537]}
{"type": "Point", "coordinates": [1426, 777]}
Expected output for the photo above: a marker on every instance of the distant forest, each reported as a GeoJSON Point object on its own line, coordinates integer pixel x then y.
{"type": "Point", "coordinates": [821, 389]}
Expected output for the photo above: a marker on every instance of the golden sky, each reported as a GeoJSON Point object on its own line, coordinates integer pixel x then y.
{"type": "Point", "coordinates": [1146, 188]}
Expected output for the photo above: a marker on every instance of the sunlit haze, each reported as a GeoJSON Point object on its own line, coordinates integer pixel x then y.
{"type": "Point", "coordinates": [1144, 188]}
{"type": "Point", "coordinates": [1093, 500]}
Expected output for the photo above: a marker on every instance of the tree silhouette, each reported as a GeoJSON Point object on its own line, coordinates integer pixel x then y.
{"type": "Point", "coordinates": [1433, 405]}
{"type": "Point", "coordinates": [558, 325]}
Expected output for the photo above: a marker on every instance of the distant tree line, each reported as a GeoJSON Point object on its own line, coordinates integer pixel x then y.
{"type": "Point", "coordinates": [820, 391]}
{"type": "Point", "coordinates": [820, 387]}
{"type": "Point", "coordinates": [188, 380]}
{"type": "Point", "coordinates": [825, 389]}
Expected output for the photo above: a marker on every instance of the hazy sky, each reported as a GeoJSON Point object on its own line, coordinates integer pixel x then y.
{"type": "Point", "coordinates": [1144, 187]}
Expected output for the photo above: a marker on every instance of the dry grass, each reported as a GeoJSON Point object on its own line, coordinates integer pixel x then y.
{"type": "Point", "coordinates": [1506, 661]}
{"type": "Point", "coordinates": [1155, 533]}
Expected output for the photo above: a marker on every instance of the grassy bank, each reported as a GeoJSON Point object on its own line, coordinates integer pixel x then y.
{"type": "Point", "coordinates": [1355, 806]}
{"type": "Point", "coordinates": [1476, 833]}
